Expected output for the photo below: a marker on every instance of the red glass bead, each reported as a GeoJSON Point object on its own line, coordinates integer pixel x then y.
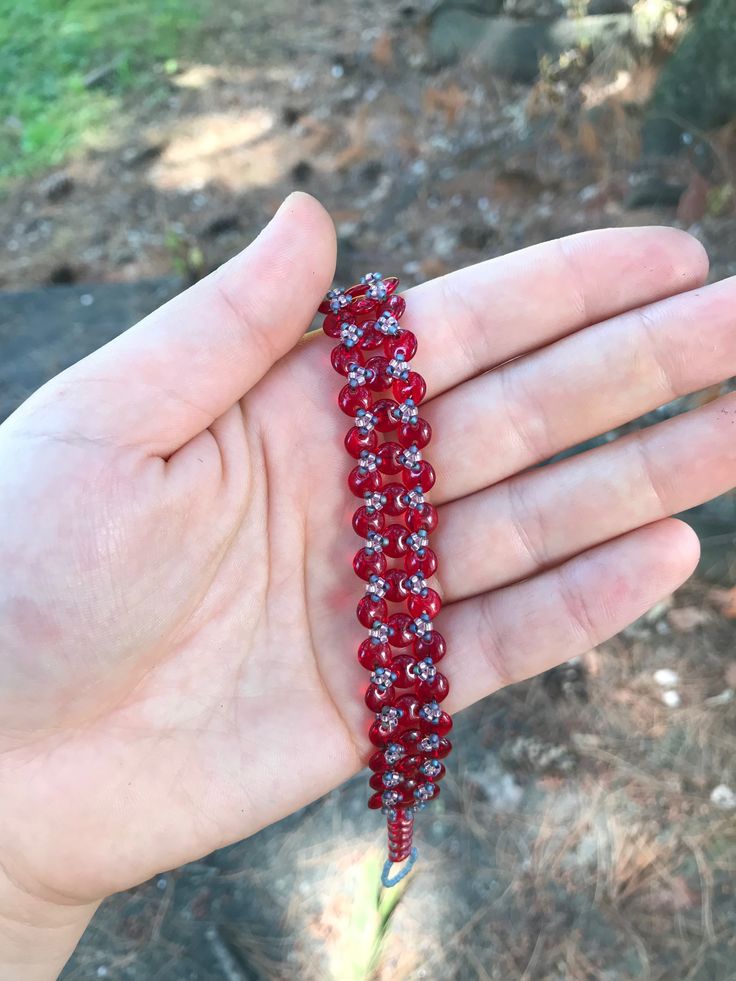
{"type": "Point", "coordinates": [397, 546]}
{"type": "Point", "coordinates": [376, 698]}
{"type": "Point", "coordinates": [431, 604]}
{"type": "Point", "coordinates": [422, 475]}
{"type": "Point", "coordinates": [396, 591]}
{"type": "Point", "coordinates": [372, 655]}
{"type": "Point", "coordinates": [384, 411]}
{"type": "Point", "coordinates": [414, 387]}
{"type": "Point", "coordinates": [418, 434]}
{"type": "Point", "coordinates": [365, 521]}
{"type": "Point", "coordinates": [395, 306]}
{"type": "Point", "coordinates": [409, 705]}
{"type": "Point", "coordinates": [404, 343]}
{"type": "Point", "coordinates": [370, 609]}
{"type": "Point", "coordinates": [436, 690]}
{"type": "Point", "coordinates": [371, 338]}
{"type": "Point", "coordinates": [352, 399]}
{"type": "Point", "coordinates": [369, 563]}
{"type": "Point", "coordinates": [442, 726]}
{"type": "Point", "coordinates": [389, 453]}
{"type": "Point", "coordinates": [400, 624]}
{"type": "Point", "coordinates": [401, 665]}
{"type": "Point", "coordinates": [362, 306]}
{"type": "Point", "coordinates": [431, 645]}
{"type": "Point", "coordinates": [332, 322]}
{"type": "Point", "coordinates": [375, 802]}
{"type": "Point", "coordinates": [423, 517]}
{"type": "Point", "coordinates": [361, 480]}
{"type": "Point", "coordinates": [444, 749]}
{"type": "Point", "coordinates": [341, 357]}
{"type": "Point", "coordinates": [357, 441]}
{"type": "Point", "coordinates": [394, 494]}
{"type": "Point", "coordinates": [381, 379]}
{"type": "Point", "coordinates": [426, 564]}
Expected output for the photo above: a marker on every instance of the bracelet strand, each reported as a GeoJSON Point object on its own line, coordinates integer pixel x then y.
{"type": "Point", "coordinates": [382, 395]}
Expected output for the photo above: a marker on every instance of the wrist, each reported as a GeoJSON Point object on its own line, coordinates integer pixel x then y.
{"type": "Point", "coordinates": [37, 936]}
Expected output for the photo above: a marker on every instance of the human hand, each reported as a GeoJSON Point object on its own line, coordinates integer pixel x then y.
{"type": "Point", "coordinates": [178, 662]}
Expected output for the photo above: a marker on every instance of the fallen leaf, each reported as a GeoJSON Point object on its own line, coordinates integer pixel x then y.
{"type": "Point", "coordinates": [383, 50]}
{"type": "Point", "coordinates": [694, 202]}
{"type": "Point", "coordinates": [451, 101]}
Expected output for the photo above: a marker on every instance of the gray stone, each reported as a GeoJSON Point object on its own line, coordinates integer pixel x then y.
{"type": "Point", "coordinates": [513, 48]}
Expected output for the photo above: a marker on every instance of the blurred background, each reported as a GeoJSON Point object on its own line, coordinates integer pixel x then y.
{"type": "Point", "coordinates": [586, 829]}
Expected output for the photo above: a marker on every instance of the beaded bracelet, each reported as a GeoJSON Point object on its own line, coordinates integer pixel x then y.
{"type": "Point", "coordinates": [402, 649]}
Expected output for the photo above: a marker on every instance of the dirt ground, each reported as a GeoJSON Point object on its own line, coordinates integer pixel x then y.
{"type": "Point", "coordinates": [587, 828]}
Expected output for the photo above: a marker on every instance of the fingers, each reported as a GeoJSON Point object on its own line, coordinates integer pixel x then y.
{"type": "Point", "coordinates": [524, 412]}
{"type": "Point", "coordinates": [516, 632]}
{"type": "Point", "coordinates": [479, 317]}
{"type": "Point", "coordinates": [192, 359]}
{"type": "Point", "coordinates": [540, 518]}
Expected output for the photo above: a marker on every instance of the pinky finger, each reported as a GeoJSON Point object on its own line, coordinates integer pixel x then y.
{"type": "Point", "coordinates": [521, 630]}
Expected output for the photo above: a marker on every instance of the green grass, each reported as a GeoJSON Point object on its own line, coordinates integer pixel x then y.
{"type": "Point", "coordinates": [48, 48]}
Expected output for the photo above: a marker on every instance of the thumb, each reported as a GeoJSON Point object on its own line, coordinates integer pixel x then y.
{"type": "Point", "coordinates": [192, 359]}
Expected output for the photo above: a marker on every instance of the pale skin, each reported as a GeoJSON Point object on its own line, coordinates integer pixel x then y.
{"type": "Point", "coordinates": [177, 627]}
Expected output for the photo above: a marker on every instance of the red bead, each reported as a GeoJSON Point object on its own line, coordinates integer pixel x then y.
{"type": "Point", "coordinates": [375, 803]}
{"type": "Point", "coordinates": [402, 343]}
{"type": "Point", "coordinates": [444, 749]}
{"type": "Point", "coordinates": [375, 698]}
{"type": "Point", "coordinates": [381, 379]}
{"type": "Point", "coordinates": [357, 441]}
{"type": "Point", "coordinates": [431, 604]}
{"type": "Point", "coordinates": [388, 455]}
{"type": "Point", "coordinates": [384, 411]}
{"type": "Point", "coordinates": [333, 321]}
{"type": "Point", "coordinates": [409, 705]}
{"type": "Point", "coordinates": [352, 399]}
{"type": "Point", "coordinates": [363, 306]}
{"type": "Point", "coordinates": [370, 609]}
{"type": "Point", "coordinates": [367, 564]}
{"type": "Point", "coordinates": [400, 623]}
{"type": "Point", "coordinates": [395, 306]}
{"type": "Point", "coordinates": [396, 591]}
{"type": "Point", "coordinates": [413, 387]}
{"type": "Point", "coordinates": [432, 645]}
{"type": "Point", "coordinates": [371, 338]}
{"type": "Point", "coordinates": [418, 434]}
{"type": "Point", "coordinates": [401, 665]}
{"type": "Point", "coordinates": [365, 521]}
{"type": "Point", "coordinates": [342, 356]}
{"type": "Point", "coordinates": [442, 726]}
{"type": "Point", "coordinates": [372, 655]}
{"type": "Point", "coordinates": [422, 475]}
{"type": "Point", "coordinates": [397, 546]}
{"type": "Point", "coordinates": [437, 689]}
{"type": "Point", "coordinates": [394, 494]}
{"type": "Point", "coordinates": [360, 481]}
{"type": "Point", "coordinates": [426, 564]}
{"type": "Point", "coordinates": [423, 517]}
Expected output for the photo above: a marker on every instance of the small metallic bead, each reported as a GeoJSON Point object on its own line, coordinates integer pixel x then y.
{"type": "Point", "coordinates": [365, 421]}
{"type": "Point", "coordinates": [338, 299]}
{"type": "Point", "coordinates": [390, 812]}
{"type": "Point", "coordinates": [389, 717]}
{"type": "Point", "coordinates": [387, 324]}
{"type": "Point", "coordinates": [392, 779]}
{"type": "Point", "coordinates": [410, 457]}
{"type": "Point", "coordinates": [430, 768]}
{"type": "Point", "coordinates": [398, 367]}
{"type": "Point", "coordinates": [368, 462]}
{"type": "Point", "coordinates": [376, 587]}
{"type": "Point", "coordinates": [424, 670]}
{"type": "Point", "coordinates": [416, 584]}
{"type": "Point", "coordinates": [374, 501]}
{"type": "Point", "coordinates": [393, 753]}
{"type": "Point", "coordinates": [431, 711]}
{"type": "Point", "coordinates": [418, 540]}
{"type": "Point", "coordinates": [407, 413]}
{"type": "Point", "coordinates": [382, 678]}
{"type": "Point", "coordinates": [391, 798]}
{"type": "Point", "coordinates": [359, 375]}
{"type": "Point", "coordinates": [429, 743]}
{"type": "Point", "coordinates": [380, 632]}
{"type": "Point", "coordinates": [424, 792]}
{"type": "Point", "coordinates": [350, 334]}
{"type": "Point", "coordinates": [414, 498]}
{"type": "Point", "coordinates": [376, 287]}
{"type": "Point", "coordinates": [422, 626]}
{"type": "Point", "coordinates": [375, 542]}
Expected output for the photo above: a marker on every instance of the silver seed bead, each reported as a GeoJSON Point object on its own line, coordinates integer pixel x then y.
{"type": "Point", "coordinates": [422, 626]}
{"type": "Point", "coordinates": [416, 584]}
{"type": "Point", "coordinates": [375, 541]}
{"type": "Point", "coordinates": [418, 540]}
{"type": "Point", "coordinates": [391, 778]}
{"type": "Point", "coordinates": [368, 461]}
{"type": "Point", "coordinates": [393, 753]}
{"type": "Point", "coordinates": [389, 717]}
{"type": "Point", "coordinates": [365, 420]}
{"type": "Point", "coordinates": [425, 670]}
{"type": "Point", "coordinates": [415, 498]}
{"type": "Point", "coordinates": [391, 798]}
{"type": "Point", "coordinates": [382, 678]}
{"type": "Point", "coordinates": [374, 500]}
{"type": "Point", "coordinates": [338, 299]}
{"type": "Point", "coordinates": [350, 334]}
{"type": "Point", "coordinates": [376, 586]}
{"type": "Point", "coordinates": [429, 744]}
{"type": "Point", "coordinates": [431, 768]}
{"type": "Point", "coordinates": [431, 711]}
{"type": "Point", "coordinates": [398, 368]}
{"type": "Point", "coordinates": [425, 791]}
{"type": "Point", "coordinates": [380, 632]}
{"type": "Point", "coordinates": [387, 324]}
{"type": "Point", "coordinates": [407, 413]}
{"type": "Point", "coordinates": [410, 457]}
{"type": "Point", "coordinates": [358, 375]}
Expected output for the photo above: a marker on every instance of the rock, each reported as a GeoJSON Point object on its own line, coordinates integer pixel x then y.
{"type": "Point", "coordinates": [546, 9]}
{"type": "Point", "coordinates": [477, 236]}
{"type": "Point", "coordinates": [655, 192]}
{"type": "Point", "coordinates": [57, 185]}
{"type": "Point", "coordinates": [513, 48]}
{"type": "Point", "coordinates": [143, 153]}
{"type": "Point", "coordinates": [697, 86]}
{"type": "Point", "coordinates": [221, 225]}
{"type": "Point", "coordinates": [722, 796]}
{"type": "Point", "coordinates": [301, 171]}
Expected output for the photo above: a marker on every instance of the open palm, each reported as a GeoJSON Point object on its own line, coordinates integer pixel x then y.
{"type": "Point", "coordinates": [178, 653]}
